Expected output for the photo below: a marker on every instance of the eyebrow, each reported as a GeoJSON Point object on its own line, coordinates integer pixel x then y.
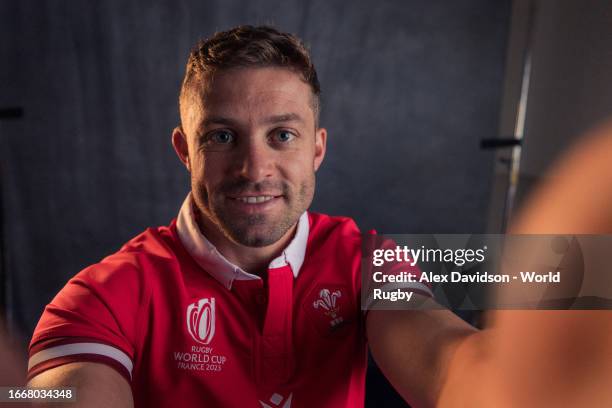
{"type": "Point", "coordinates": [286, 117]}
{"type": "Point", "coordinates": [218, 120]}
{"type": "Point", "coordinates": [270, 120]}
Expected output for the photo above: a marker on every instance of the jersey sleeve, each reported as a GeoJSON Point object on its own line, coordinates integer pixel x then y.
{"type": "Point", "coordinates": [94, 318]}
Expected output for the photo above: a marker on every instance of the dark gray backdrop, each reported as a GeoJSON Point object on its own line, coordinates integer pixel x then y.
{"type": "Point", "coordinates": [409, 89]}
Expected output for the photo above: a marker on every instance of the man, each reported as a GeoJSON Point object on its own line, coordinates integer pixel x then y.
{"type": "Point", "coordinates": [247, 299]}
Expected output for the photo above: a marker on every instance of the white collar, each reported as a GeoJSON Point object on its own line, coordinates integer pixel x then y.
{"type": "Point", "coordinates": [213, 262]}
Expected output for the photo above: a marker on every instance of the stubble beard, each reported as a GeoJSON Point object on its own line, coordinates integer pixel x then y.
{"type": "Point", "coordinates": [254, 230]}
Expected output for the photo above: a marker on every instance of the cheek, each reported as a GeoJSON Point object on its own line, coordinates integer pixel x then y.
{"type": "Point", "coordinates": [299, 169]}
{"type": "Point", "coordinates": [205, 173]}
{"type": "Point", "coordinates": [301, 160]}
{"type": "Point", "coordinates": [293, 165]}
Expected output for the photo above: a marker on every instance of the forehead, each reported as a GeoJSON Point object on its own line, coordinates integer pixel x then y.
{"type": "Point", "coordinates": [253, 92]}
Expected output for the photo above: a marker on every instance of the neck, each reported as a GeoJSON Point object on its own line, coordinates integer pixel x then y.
{"type": "Point", "coordinates": [254, 260]}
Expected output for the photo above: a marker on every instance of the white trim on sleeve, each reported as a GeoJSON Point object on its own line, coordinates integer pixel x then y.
{"type": "Point", "coordinates": [82, 348]}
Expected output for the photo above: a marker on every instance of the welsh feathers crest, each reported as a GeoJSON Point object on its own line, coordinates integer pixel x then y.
{"type": "Point", "coordinates": [327, 302]}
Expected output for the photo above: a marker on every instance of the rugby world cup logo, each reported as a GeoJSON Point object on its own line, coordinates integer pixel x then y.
{"type": "Point", "coordinates": [201, 320]}
{"type": "Point", "coordinates": [327, 302]}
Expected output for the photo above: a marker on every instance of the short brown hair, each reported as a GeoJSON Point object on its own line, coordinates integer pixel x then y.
{"type": "Point", "coordinates": [248, 46]}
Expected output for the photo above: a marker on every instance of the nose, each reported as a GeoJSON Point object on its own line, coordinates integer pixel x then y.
{"type": "Point", "coordinates": [255, 161]}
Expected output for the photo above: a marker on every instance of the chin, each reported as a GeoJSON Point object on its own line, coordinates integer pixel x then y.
{"type": "Point", "coordinates": [258, 242]}
{"type": "Point", "coordinates": [255, 236]}
{"type": "Point", "coordinates": [254, 240]}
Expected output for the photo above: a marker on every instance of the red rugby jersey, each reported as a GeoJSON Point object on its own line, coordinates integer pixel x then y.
{"type": "Point", "coordinates": [187, 328]}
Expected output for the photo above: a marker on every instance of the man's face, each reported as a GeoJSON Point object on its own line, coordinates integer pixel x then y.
{"type": "Point", "coordinates": [253, 150]}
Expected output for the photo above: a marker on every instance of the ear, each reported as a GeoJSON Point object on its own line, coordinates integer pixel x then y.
{"type": "Point", "coordinates": [179, 142]}
{"type": "Point", "coordinates": [320, 146]}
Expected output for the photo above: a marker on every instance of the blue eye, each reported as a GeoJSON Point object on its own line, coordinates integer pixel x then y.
{"type": "Point", "coordinates": [218, 140]}
{"type": "Point", "coordinates": [222, 137]}
{"type": "Point", "coordinates": [284, 136]}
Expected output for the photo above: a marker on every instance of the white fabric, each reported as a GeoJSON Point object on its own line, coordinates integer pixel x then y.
{"type": "Point", "coordinates": [82, 348]}
{"type": "Point", "coordinates": [213, 262]}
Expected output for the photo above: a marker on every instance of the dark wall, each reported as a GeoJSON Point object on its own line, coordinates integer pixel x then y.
{"type": "Point", "coordinates": [409, 88]}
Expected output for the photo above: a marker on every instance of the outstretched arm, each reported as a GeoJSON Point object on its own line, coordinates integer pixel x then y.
{"type": "Point", "coordinates": [425, 353]}
{"type": "Point", "coordinates": [97, 385]}
{"type": "Point", "coordinates": [525, 358]}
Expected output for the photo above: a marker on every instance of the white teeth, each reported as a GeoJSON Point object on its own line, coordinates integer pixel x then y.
{"type": "Point", "coordinates": [255, 200]}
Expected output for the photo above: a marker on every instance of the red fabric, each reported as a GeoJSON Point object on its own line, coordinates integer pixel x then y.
{"type": "Point", "coordinates": [236, 348]}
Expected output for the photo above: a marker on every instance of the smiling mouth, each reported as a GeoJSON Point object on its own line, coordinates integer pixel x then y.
{"type": "Point", "coordinates": [255, 199]}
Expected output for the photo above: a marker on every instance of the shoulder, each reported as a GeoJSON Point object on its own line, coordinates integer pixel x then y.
{"type": "Point", "coordinates": [102, 312]}
{"type": "Point", "coordinates": [157, 242]}
{"type": "Point", "coordinates": [128, 269]}
{"type": "Point", "coordinates": [332, 224]}
{"type": "Point", "coordinates": [333, 233]}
